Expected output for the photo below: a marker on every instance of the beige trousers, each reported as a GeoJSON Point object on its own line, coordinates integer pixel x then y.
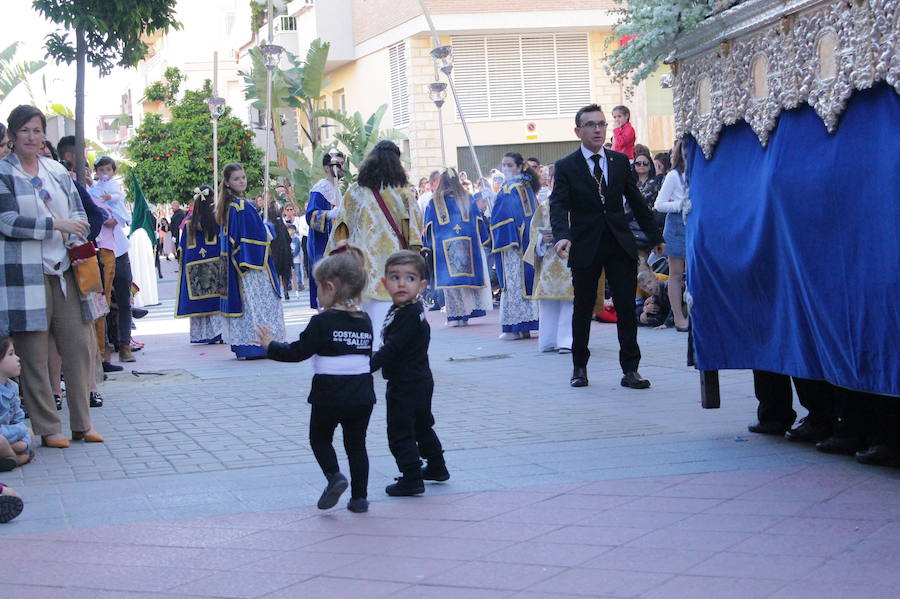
{"type": "Point", "coordinates": [78, 349]}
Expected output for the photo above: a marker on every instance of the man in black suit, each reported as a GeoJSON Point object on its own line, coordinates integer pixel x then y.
{"type": "Point", "coordinates": [587, 213]}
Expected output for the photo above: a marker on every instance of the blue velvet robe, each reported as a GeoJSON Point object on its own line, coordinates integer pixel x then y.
{"type": "Point", "coordinates": [202, 276]}
{"type": "Point", "coordinates": [319, 231]}
{"type": "Point", "coordinates": [245, 241]}
{"type": "Point", "coordinates": [455, 241]}
{"type": "Point", "coordinates": [511, 216]}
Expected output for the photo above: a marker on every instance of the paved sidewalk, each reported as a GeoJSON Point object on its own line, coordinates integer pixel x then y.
{"type": "Point", "coordinates": [784, 532]}
{"type": "Point", "coordinates": [205, 483]}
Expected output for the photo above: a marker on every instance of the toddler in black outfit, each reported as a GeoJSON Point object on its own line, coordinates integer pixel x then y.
{"type": "Point", "coordinates": [403, 360]}
{"type": "Point", "coordinates": [339, 341]}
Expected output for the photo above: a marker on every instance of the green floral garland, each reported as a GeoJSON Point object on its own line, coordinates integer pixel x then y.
{"type": "Point", "coordinates": [656, 24]}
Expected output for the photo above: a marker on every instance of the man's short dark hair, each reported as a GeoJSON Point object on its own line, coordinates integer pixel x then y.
{"type": "Point", "coordinates": [66, 144]}
{"type": "Point", "coordinates": [533, 159]}
{"type": "Point", "coordinates": [408, 257]}
{"type": "Point", "coordinates": [105, 161]}
{"type": "Point", "coordinates": [588, 108]}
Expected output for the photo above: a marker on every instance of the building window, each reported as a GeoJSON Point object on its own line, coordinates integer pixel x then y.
{"type": "Point", "coordinates": [517, 76]}
{"type": "Point", "coordinates": [287, 24]}
{"type": "Point", "coordinates": [399, 85]}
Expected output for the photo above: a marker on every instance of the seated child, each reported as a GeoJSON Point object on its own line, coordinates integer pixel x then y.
{"type": "Point", "coordinates": [339, 341]}
{"type": "Point", "coordinates": [403, 360]}
{"type": "Point", "coordinates": [654, 310]}
{"type": "Point", "coordinates": [15, 438]}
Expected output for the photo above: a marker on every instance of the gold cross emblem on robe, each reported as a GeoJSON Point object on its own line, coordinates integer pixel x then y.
{"type": "Point", "coordinates": [203, 252]}
{"type": "Point", "coordinates": [457, 228]}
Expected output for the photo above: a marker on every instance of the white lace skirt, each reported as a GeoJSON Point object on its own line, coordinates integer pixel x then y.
{"type": "Point", "coordinates": [206, 329]}
{"type": "Point", "coordinates": [261, 306]}
{"type": "Point", "coordinates": [517, 314]}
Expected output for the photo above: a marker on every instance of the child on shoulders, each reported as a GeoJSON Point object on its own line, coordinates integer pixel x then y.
{"type": "Point", "coordinates": [623, 133]}
{"type": "Point", "coordinates": [15, 438]}
{"type": "Point", "coordinates": [339, 341]}
{"type": "Point", "coordinates": [403, 360]}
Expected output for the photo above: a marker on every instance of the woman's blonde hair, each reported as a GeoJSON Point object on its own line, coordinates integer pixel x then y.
{"type": "Point", "coordinates": [450, 185]}
{"type": "Point", "coordinates": [345, 269]}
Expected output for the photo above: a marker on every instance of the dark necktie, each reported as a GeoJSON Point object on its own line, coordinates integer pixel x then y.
{"type": "Point", "coordinates": [598, 175]}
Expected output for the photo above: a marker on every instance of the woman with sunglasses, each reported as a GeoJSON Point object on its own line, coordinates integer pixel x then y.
{"type": "Point", "coordinates": [645, 174]}
{"type": "Point", "coordinates": [41, 217]}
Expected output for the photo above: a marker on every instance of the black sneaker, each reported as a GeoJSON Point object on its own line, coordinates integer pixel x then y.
{"type": "Point", "coordinates": [57, 399]}
{"type": "Point", "coordinates": [406, 486]}
{"type": "Point", "coordinates": [358, 505]}
{"type": "Point", "coordinates": [435, 472]}
{"type": "Point", "coordinates": [337, 484]}
{"type": "Point", "coordinates": [96, 399]}
{"type": "Point", "coordinates": [109, 367]}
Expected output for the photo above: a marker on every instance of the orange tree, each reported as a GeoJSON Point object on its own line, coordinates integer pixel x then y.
{"type": "Point", "coordinates": [173, 157]}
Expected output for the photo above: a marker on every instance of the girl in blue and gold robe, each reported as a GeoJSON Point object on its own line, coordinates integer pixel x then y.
{"type": "Point", "coordinates": [252, 293]}
{"type": "Point", "coordinates": [455, 231]}
{"type": "Point", "coordinates": [200, 271]}
{"type": "Point", "coordinates": [511, 215]}
{"type": "Point", "coordinates": [324, 199]}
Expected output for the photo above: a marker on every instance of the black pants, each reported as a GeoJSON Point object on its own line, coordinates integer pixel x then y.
{"type": "Point", "coordinates": [621, 275]}
{"type": "Point", "coordinates": [854, 414]}
{"type": "Point", "coordinates": [354, 421]}
{"type": "Point", "coordinates": [773, 390]}
{"type": "Point", "coordinates": [118, 321]}
{"type": "Point", "coordinates": [410, 425]}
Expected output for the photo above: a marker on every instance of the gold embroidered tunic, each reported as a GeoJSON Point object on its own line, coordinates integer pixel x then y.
{"type": "Point", "coordinates": [552, 278]}
{"type": "Point", "coordinates": [362, 224]}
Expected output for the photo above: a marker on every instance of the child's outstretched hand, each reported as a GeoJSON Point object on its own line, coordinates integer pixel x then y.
{"type": "Point", "coordinates": [263, 336]}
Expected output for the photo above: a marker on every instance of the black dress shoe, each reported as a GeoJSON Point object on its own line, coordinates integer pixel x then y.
{"type": "Point", "coordinates": [808, 432]}
{"type": "Point", "coordinates": [839, 445]}
{"type": "Point", "coordinates": [633, 380]}
{"type": "Point", "coordinates": [771, 427]}
{"type": "Point", "coordinates": [579, 377]}
{"type": "Point", "coordinates": [110, 367]}
{"type": "Point", "coordinates": [139, 312]}
{"type": "Point", "coordinates": [879, 455]}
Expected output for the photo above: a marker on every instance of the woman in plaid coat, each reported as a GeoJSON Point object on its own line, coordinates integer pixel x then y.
{"type": "Point", "coordinates": [40, 218]}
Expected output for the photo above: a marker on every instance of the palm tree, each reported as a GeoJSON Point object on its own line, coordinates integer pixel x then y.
{"type": "Point", "coordinates": [12, 74]}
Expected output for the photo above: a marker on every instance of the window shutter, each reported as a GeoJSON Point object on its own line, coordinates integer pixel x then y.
{"type": "Point", "coordinates": [516, 76]}
{"type": "Point", "coordinates": [470, 74]}
{"type": "Point", "coordinates": [541, 96]}
{"type": "Point", "coordinates": [399, 85]}
{"type": "Point", "coordinates": [504, 55]}
{"type": "Point", "coordinates": [573, 72]}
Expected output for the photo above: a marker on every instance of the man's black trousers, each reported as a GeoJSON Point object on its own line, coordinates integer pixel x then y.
{"type": "Point", "coordinates": [621, 275]}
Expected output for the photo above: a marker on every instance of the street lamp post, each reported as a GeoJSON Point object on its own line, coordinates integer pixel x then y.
{"type": "Point", "coordinates": [437, 93]}
{"type": "Point", "coordinates": [441, 53]}
{"type": "Point", "coordinates": [216, 110]}
{"type": "Point", "coordinates": [272, 54]}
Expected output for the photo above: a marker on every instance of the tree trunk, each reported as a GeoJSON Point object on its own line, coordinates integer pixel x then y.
{"type": "Point", "coordinates": [80, 59]}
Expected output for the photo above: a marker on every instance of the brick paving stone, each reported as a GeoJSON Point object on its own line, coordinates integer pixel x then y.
{"type": "Point", "coordinates": [206, 487]}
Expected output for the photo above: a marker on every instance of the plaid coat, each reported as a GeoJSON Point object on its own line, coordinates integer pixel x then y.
{"type": "Point", "coordinates": [23, 300]}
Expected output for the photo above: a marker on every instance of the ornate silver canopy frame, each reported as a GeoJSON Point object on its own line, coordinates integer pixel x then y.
{"type": "Point", "coordinates": [763, 56]}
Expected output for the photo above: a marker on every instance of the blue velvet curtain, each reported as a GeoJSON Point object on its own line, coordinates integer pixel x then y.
{"type": "Point", "coordinates": [794, 249]}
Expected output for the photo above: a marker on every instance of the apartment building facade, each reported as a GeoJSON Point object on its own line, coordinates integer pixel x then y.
{"type": "Point", "coordinates": [520, 74]}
